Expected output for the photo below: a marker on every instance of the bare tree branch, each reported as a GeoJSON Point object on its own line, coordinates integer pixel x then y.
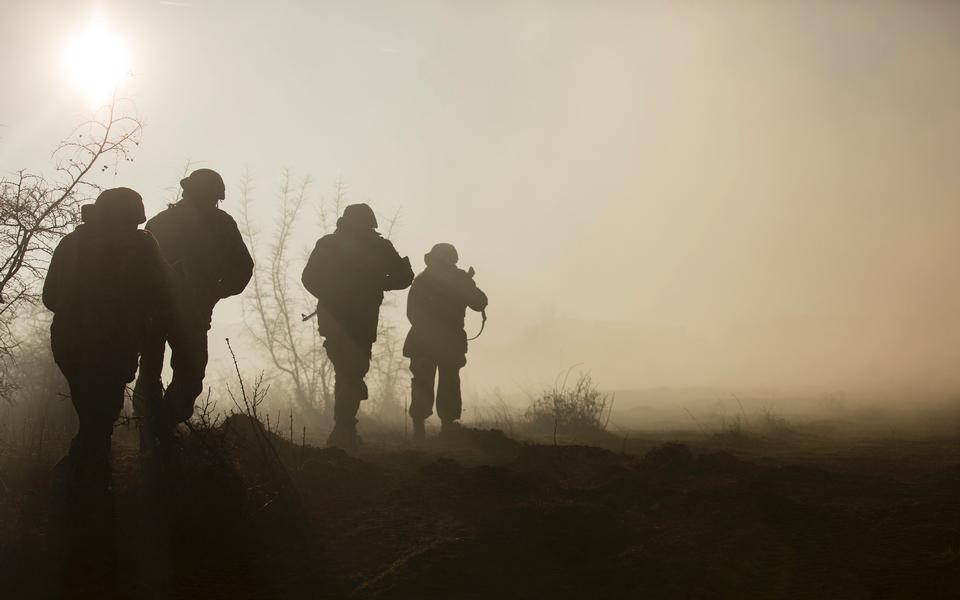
{"type": "Point", "coordinates": [36, 210]}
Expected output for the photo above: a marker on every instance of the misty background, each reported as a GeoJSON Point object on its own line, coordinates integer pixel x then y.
{"type": "Point", "coordinates": [665, 194]}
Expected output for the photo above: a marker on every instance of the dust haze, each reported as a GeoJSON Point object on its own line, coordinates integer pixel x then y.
{"type": "Point", "coordinates": [670, 195]}
{"type": "Point", "coordinates": [719, 241]}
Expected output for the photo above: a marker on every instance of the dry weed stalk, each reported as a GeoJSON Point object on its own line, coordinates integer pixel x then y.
{"type": "Point", "coordinates": [248, 405]}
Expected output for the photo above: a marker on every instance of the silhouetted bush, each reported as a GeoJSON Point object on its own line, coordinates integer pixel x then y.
{"type": "Point", "coordinates": [579, 407]}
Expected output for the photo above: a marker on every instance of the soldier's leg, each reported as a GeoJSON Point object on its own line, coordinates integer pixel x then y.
{"type": "Point", "coordinates": [148, 391]}
{"type": "Point", "coordinates": [361, 358]}
{"type": "Point", "coordinates": [189, 362]}
{"type": "Point", "coordinates": [351, 362]}
{"type": "Point", "coordinates": [424, 372]}
{"type": "Point", "coordinates": [341, 385]}
{"type": "Point", "coordinates": [98, 403]}
{"type": "Point", "coordinates": [82, 396]}
{"type": "Point", "coordinates": [449, 400]}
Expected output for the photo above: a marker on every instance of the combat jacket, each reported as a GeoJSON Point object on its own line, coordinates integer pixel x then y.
{"type": "Point", "coordinates": [436, 307]}
{"type": "Point", "coordinates": [102, 286]}
{"type": "Point", "coordinates": [206, 253]}
{"type": "Point", "coordinates": [348, 272]}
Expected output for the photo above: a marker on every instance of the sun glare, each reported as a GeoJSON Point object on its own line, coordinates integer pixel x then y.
{"type": "Point", "coordinates": [96, 60]}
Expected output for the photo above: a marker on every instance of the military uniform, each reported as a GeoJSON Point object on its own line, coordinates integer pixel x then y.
{"type": "Point", "coordinates": [437, 341]}
{"type": "Point", "coordinates": [348, 272]}
{"type": "Point", "coordinates": [208, 261]}
{"type": "Point", "coordinates": [105, 282]}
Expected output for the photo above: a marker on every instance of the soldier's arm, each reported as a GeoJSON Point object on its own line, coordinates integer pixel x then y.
{"type": "Point", "coordinates": [158, 277]}
{"type": "Point", "coordinates": [319, 268]}
{"type": "Point", "coordinates": [399, 273]}
{"type": "Point", "coordinates": [239, 267]}
{"type": "Point", "coordinates": [55, 284]}
{"type": "Point", "coordinates": [477, 300]}
{"type": "Point", "coordinates": [472, 295]}
{"type": "Point", "coordinates": [415, 308]}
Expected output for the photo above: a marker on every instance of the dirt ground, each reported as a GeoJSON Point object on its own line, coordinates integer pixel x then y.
{"type": "Point", "coordinates": [248, 515]}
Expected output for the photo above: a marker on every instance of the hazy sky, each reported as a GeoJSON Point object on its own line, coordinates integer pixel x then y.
{"type": "Point", "coordinates": [671, 193]}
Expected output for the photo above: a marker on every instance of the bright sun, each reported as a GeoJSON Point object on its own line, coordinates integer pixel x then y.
{"type": "Point", "coordinates": [97, 60]}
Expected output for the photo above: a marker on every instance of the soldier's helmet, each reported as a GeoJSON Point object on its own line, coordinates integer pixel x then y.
{"type": "Point", "coordinates": [358, 216]}
{"type": "Point", "coordinates": [441, 254]}
{"type": "Point", "coordinates": [120, 206]}
{"type": "Point", "coordinates": [204, 184]}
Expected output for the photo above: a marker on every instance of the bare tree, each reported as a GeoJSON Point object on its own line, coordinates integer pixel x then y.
{"type": "Point", "coordinates": [37, 209]}
{"type": "Point", "coordinates": [274, 302]}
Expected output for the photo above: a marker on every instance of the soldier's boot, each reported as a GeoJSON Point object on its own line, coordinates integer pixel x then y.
{"type": "Point", "coordinates": [163, 423]}
{"type": "Point", "coordinates": [344, 436]}
{"type": "Point", "coordinates": [419, 430]}
{"type": "Point", "coordinates": [84, 473]}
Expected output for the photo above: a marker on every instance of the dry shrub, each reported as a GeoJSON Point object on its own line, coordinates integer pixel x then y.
{"type": "Point", "coordinates": [581, 407]}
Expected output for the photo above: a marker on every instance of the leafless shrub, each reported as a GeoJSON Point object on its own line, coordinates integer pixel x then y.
{"type": "Point", "coordinates": [208, 427]}
{"type": "Point", "coordinates": [741, 426]}
{"type": "Point", "coordinates": [771, 422]}
{"type": "Point", "coordinates": [580, 408]}
{"type": "Point", "coordinates": [205, 415]}
{"type": "Point", "coordinates": [732, 427]}
{"type": "Point", "coordinates": [248, 403]}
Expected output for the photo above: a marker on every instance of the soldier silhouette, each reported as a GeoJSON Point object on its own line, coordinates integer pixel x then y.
{"type": "Point", "coordinates": [208, 262]}
{"type": "Point", "coordinates": [437, 342]}
{"type": "Point", "coordinates": [106, 280]}
{"type": "Point", "coordinates": [348, 272]}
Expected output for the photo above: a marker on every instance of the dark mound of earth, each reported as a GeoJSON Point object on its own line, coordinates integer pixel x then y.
{"type": "Point", "coordinates": [245, 514]}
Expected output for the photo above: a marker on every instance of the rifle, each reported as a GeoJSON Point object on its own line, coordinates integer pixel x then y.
{"type": "Point", "coordinates": [483, 313]}
{"type": "Point", "coordinates": [483, 323]}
